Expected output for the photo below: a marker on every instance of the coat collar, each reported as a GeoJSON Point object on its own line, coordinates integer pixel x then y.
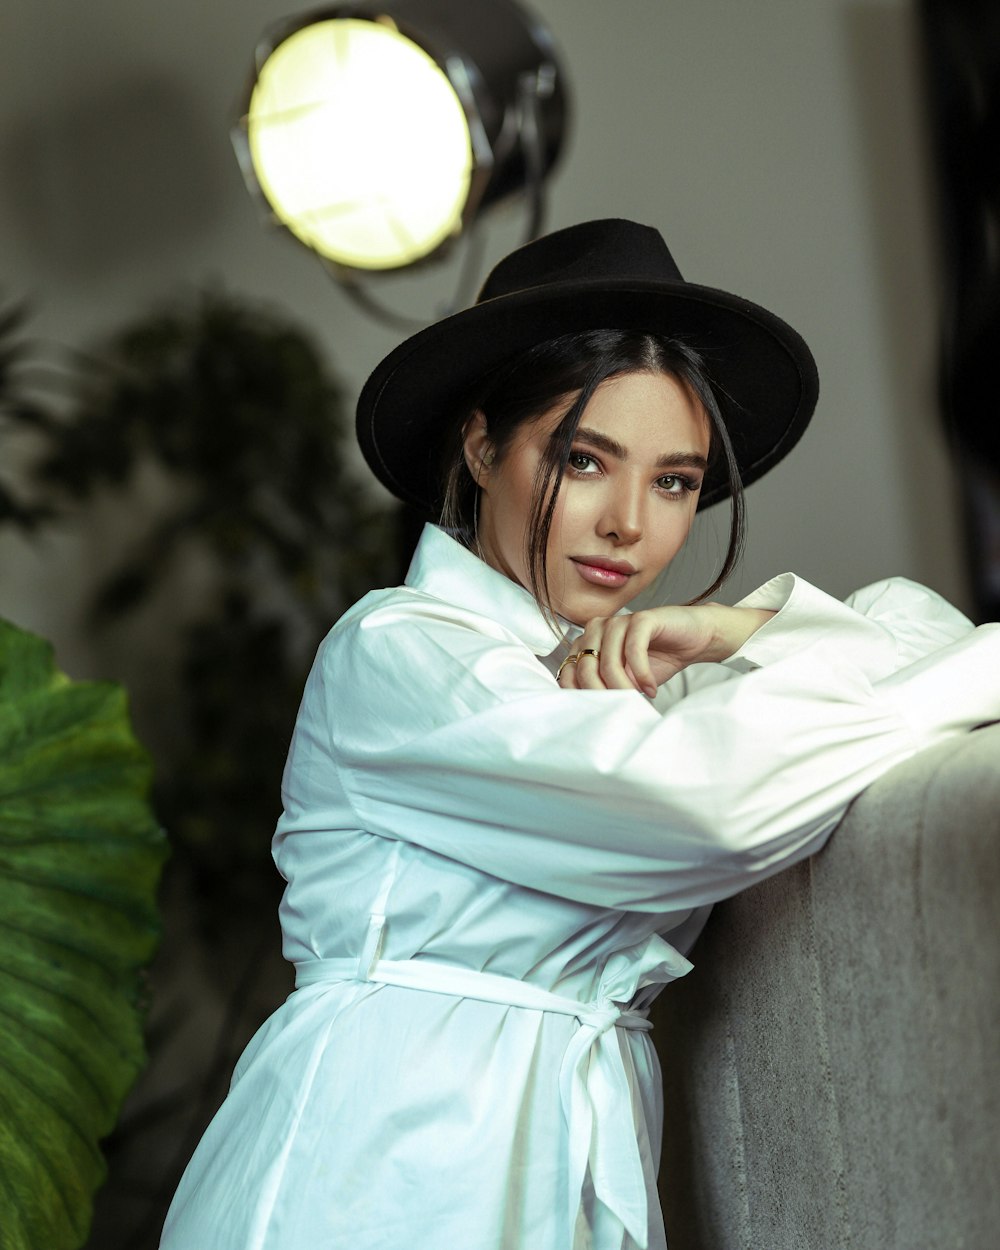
{"type": "Point", "coordinates": [443, 568]}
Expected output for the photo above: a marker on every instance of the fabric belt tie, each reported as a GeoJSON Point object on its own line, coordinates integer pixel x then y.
{"type": "Point", "coordinates": [593, 1084]}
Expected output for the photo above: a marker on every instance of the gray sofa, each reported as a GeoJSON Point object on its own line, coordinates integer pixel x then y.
{"type": "Point", "coordinates": [832, 1065]}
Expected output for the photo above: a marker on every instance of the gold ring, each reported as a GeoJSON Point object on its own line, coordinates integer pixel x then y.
{"type": "Point", "coordinates": [590, 651]}
{"type": "Point", "coordinates": [570, 659]}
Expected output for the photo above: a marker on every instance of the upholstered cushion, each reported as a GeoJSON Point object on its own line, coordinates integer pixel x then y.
{"type": "Point", "coordinates": [832, 1064]}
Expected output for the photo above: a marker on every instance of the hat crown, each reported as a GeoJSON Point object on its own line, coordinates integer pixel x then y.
{"type": "Point", "coordinates": [594, 251]}
{"type": "Point", "coordinates": [609, 274]}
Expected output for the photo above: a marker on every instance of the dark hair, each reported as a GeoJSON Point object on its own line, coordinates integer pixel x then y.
{"type": "Point", "coordinates": [575, 365]}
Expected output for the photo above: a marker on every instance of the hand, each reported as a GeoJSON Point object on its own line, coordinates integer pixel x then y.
{"type": "Point", "coordinates": [642, 650]}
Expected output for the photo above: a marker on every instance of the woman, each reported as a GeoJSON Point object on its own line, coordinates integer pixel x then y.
{"type": "Point", "coordinates": [509, 804]}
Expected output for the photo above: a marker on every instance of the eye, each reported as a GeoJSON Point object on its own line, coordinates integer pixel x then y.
{"type": "Point", "coordinates": [675, 484]}
{"type": "Point", "coordinates": [581, 462]}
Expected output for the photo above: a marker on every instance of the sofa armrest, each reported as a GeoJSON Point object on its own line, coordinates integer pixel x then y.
{"type": "Point", "coordinates": [832, 1066]}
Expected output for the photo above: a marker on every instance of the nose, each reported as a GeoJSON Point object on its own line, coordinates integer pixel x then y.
{"type": "Point", "coordinates": [622, 518]}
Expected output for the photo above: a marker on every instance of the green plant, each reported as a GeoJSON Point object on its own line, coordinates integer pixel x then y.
{"type": "Point", "coordinates": [231, 412]}
{"type": "Point", "coordinates": [206, 435]}
{"type": "Point", "coordinates": [80, 857]}
{"type": "Point", "coordinates": [18, 408]}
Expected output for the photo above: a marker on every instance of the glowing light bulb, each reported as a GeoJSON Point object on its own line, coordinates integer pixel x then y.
{"type": "Point", "coordinates": [360, 143]}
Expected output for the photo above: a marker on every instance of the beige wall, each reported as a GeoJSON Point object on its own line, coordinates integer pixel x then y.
{"type": "Point", "coordinates": [776, 143]}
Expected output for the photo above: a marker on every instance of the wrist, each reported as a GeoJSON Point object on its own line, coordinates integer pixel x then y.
{"type": "Point", "coordinates": [733, 627]}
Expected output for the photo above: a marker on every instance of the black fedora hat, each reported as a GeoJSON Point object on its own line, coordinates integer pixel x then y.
{"type": "Point", "coordinates": [609, 274]}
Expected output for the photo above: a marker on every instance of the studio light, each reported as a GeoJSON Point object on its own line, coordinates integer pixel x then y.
{"type": "Point", "coordinates": [376, 133]}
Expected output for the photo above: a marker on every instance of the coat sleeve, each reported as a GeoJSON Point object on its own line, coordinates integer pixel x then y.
{"type": "Point", "coordinates": [882, 627]}
{"type": "Point", "coordinates": [879, 629]}
{"type": "Point", "coordinates": [462, 743]}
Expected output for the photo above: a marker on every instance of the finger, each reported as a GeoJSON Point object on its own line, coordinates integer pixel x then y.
{"type": "Point", "coordinates": [587, 674]}
{"type": "Point", "coordinates": [588, 670]}
{"type": "Point", "coordinates": [637, 685]}
{"type": "Point", "coordinates": [637, 653]}
{"type": "Point", "coordinates": [612, 660]}
{"type": "Point", "coordinates": [566, 676]}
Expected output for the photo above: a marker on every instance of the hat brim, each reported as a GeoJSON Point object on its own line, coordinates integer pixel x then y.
{"type": "Point", "coordinates": [761, 370]}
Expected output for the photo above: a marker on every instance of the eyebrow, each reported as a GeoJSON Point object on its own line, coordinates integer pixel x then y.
{"type": "Point", "coordinates": [674, 459]}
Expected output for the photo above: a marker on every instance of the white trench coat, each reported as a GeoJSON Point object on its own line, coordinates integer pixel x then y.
{"type": "Point", "coordinates": [490, 878]}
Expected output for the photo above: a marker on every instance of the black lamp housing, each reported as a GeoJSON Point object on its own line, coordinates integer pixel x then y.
{"type": "Point", "coordinates": [503, 66]}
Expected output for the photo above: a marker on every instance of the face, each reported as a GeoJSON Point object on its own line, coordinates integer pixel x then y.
{"type": "Point", "coordinates": [627, 499]}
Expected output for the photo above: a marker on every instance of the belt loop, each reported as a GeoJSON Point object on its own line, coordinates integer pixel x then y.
{"type": "Point", "coordinates": [372, 948]}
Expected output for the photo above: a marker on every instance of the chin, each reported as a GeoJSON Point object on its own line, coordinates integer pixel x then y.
{"type": "Point", "coordinates": [583, 608]}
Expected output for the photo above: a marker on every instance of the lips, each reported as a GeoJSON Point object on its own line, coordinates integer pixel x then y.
{"type": "Point", "coordinates": [600, 571]}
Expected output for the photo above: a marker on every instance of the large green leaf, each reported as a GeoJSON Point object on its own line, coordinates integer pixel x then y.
{"type": "Point", "coordinates": [80, 857]}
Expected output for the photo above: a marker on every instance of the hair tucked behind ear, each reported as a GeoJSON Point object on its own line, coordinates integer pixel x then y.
{"type": "Point", "coordinates": [571, 368]}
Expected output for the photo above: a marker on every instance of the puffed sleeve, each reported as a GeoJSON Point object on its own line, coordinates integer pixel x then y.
{"type": "Point", "coordinates": [878, 629]}
{"type": "Point", "coordinates": [881, 628]}
{"type": "Point", "coordinates": [461, 742]}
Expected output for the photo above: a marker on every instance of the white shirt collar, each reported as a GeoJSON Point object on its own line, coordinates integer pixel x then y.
{"type": "Point", "coordinates": [443, 568]}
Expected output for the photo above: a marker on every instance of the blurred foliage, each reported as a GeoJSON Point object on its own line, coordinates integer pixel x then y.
{"type": "Point", "coordinates": [18, 407]}
{"type": "Point", "coordinates": [80, 857]}
{"type": "Point", "coordinates": [237, 405]}
{"type": "Point", "coordinates": [212, 434]}
{"type": "Point", "coordinates": [236, 413]}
